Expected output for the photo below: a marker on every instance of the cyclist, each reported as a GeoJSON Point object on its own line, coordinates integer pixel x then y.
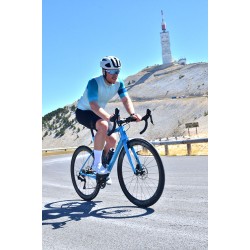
{"type": "Point", "coordinates": [91, 111]}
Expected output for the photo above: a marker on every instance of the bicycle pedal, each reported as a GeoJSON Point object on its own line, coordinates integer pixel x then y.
{"type": "Point", "coordinates": [101, 177]}
{"type": "Point", "coordinates": [88, 171]}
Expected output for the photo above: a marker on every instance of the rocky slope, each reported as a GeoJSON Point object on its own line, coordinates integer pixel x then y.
{"type": "Point", "coordinates": [176, 95]}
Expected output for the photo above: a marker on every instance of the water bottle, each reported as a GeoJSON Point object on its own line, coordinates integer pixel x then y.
{"type": "Point", "coordinates": [109, 155]}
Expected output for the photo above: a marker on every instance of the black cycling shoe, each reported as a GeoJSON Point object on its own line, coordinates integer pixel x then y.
{"type": "Point", "coordinates": [101, 177]}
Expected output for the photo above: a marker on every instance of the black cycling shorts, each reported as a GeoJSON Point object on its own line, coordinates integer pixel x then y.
{"type": "Point", "coordinates": [88, 119]}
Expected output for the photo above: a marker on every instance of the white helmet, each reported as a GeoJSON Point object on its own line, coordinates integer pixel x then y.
{"type": "Point", "coordinates": [110, 62]}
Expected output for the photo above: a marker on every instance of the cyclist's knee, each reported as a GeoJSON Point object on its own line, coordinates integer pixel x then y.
{"type": "Point", "coordinates": [102, 126]}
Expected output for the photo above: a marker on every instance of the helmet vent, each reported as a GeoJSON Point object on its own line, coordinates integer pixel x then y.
{"type": "Point", "coordinates": [115, 62]}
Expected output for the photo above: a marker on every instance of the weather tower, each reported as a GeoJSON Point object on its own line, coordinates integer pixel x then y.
{"type": "Point", "coordinates": [165, 43]}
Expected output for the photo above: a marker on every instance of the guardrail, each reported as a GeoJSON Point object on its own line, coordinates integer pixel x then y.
{"type": "Point", "coordinates": [166, 143]}
{"type": "Point", "coordinates": [175, 142]}
{"type": "Point", "coordinates": [57, 149]}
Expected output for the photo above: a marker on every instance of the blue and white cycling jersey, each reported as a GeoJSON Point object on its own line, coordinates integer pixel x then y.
{"type": "Point", "coordinates": [97, 90]}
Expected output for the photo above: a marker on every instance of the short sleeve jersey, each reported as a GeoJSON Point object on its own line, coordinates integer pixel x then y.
{"type": "Point", "coordinates": [97, 90]}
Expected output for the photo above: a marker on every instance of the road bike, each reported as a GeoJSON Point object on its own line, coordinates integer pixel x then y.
{"type": "Point", "coordinates": [139, 167]}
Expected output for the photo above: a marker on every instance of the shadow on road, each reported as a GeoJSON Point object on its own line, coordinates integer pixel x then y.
{"type": "Point", "coordinates": [58, 213]}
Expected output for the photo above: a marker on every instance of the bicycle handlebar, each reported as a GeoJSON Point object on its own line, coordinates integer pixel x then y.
{"type": "Point", "coordinates": [145, 118]}
{"type": "Point", "coordinates": [116, 120]}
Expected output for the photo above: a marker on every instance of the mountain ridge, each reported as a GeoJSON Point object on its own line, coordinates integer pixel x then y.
{"type": "Point", "coordinates": [176, 95]}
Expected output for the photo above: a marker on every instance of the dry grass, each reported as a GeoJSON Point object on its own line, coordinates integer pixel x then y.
{"type": "Point", "coordinates": [181, 149]}
{"type": "Point", "coordinates": [174, 150]}
{"type": "Point", "coordinates": [59, 152]}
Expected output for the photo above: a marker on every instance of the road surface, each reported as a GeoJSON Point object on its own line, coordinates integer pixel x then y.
{"type": "Point", "coordinates": [179, 220]}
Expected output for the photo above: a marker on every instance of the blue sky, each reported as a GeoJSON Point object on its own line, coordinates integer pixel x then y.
{"type": "Point", "coordinates": [76, 34]}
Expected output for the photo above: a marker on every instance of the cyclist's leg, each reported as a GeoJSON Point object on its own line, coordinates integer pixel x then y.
{"type": "Point", "coordinates": [90, 120]}
{"type": "Point", "coordinates": [110, 143]}
{"type": "Point", "coordinates": [100, 137]}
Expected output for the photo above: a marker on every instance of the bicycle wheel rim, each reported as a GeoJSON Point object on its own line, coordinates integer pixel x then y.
{"type": "Point", "coordinates": [85, 186]}
{"type": "Point", "coordinates": [145, 187]}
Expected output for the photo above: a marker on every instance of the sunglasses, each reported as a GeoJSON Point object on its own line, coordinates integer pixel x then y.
{"type": "Point", "coordinates": [113, 71]}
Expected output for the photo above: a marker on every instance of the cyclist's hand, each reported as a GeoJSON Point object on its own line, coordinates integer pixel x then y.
{"type": "Point", "coordinates": [137, 117]}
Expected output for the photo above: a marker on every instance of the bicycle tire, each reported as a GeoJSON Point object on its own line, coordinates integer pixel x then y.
{"type": "Point", "coordinates": [143, 188]}
{"type": "Point", "coordinates": [85, 186]}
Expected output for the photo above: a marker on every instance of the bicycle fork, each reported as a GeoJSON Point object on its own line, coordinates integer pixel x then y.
{"type": "Point", "coordinates": [138, 163]}
{"type": "Point", "coordinates": [125, 141]}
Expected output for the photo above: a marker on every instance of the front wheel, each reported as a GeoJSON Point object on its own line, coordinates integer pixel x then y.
{"type": "Point", "coordinates": [83, 181]}
{"type": "Point", "coordinates": [143, 187]}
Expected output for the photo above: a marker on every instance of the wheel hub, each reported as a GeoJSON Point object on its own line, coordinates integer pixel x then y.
{"type": "Point", "coordinates": [142, 173]}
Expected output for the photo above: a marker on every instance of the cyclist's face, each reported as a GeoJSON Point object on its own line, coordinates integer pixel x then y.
{"type": "Point", "coordinates": [111, 78]}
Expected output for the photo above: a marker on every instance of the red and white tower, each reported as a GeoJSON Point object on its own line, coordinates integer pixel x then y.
{"type": "Point", "coordinates": [165, 43]}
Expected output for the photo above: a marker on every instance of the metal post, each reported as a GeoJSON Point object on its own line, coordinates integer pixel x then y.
{"type": "Point", "coordinates": [189, 148]}
{"type": "Point", "coordinates": [166, 150]}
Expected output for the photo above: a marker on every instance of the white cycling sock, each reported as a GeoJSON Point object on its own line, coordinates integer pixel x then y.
{"type": "Point", "coordinates": [98, 157]}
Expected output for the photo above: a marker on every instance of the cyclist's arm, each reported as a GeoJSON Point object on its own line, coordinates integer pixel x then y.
{"type": "Point", "coordinates": [128, 105]}
{"type": "Point", "coordinates": [127, 102]}
{"type": "Point", "coordinates": [122, 91]}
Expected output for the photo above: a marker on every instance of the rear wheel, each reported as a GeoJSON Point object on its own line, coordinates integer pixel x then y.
{"type": "Point", "coordinates": [144, 187]}
{"type": "Point", "coordinates": [82, 177]}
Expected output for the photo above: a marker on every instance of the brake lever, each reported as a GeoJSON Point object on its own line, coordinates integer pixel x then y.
{"type": "Point", "coordinates": [150, 116]}
{"type": "Point", "coordinates": [114, 119]}
{"type": "Point", "coordinates": [145, 118]}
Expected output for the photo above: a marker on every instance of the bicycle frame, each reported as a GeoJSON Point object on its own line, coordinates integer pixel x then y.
{"type": "Point", "coordinates": [122, 143]}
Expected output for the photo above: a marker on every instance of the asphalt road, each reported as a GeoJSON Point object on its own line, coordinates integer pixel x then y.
{"type": "Point", "coordinates": [179, 220]}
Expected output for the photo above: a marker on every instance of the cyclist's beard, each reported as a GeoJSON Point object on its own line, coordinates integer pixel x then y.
{"type": "Point", "coordinates": [114, 77]}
